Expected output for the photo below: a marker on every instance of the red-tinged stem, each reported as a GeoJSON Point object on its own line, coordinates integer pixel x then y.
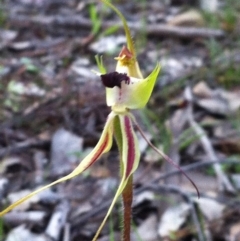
{"type": "Point", "coordinates": [127, 196]}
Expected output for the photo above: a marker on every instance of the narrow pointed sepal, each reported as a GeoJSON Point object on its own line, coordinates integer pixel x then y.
{"type": "Point", "coordinates": [130, 156]}
{"type": "Point", "coordinates": [102, 146]}
{"type": "Point", "coordinates": [130, 43]}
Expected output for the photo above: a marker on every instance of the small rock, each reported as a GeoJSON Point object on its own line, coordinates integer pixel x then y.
{"type": "Point", "coordinates": [65, 149]}
{"type": "Point", "coordinates": [21, 233]}
{"type": "Point", "coordinates": [173, 219]}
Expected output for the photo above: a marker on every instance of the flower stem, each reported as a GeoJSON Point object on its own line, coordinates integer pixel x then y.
{"type": "Point", "coordinates": [127, 196]}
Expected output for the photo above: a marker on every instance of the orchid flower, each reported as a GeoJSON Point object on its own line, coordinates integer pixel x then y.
{"type": "Point", "coordinates": [126, 89]}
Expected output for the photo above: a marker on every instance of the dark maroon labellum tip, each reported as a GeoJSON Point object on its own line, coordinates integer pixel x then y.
{"type": "Point", "coordinates": [113, 79]}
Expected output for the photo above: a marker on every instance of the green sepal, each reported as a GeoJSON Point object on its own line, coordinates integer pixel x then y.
{"type": "Point", "coordinates": [130, 43]}
{"type": "Point", "coordinates": [129, 154]}
{"type": "Point", "coordinates": [104, 144]}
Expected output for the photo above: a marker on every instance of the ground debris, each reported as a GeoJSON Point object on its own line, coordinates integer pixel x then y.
{"type": "Point", "coordinates": [52, 111]}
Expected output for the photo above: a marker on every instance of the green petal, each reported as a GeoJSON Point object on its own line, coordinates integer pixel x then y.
{"type": "Point", "coordinates": [102, 146]}
{"type": "Point", "coordinates": [100, 64]}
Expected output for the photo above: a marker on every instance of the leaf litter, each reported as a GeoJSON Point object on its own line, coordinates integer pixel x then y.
{"type": "Point", "coordinates": [47, 86]}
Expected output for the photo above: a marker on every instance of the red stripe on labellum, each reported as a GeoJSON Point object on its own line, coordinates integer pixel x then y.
{"type": "Point", "coordinates": [130, 145]}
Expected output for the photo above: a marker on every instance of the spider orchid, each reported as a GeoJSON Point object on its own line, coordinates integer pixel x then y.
{"type": "Point", "coordinates": [126, 89]}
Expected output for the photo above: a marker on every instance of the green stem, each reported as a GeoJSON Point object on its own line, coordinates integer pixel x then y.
{"type": "Point", "coordinates": [127, 196]}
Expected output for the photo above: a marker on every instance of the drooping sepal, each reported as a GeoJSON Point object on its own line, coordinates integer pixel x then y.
{"type": "Point", "coordinates": [129, 157]}
{"type": "Point", "coordinates": [103, 146]}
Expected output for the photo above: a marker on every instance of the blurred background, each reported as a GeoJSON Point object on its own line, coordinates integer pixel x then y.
{"type": "Point", "coordinates": [52, 111]}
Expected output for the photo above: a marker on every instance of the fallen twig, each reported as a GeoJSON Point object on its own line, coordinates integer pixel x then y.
{"type": "Point", "coordinates": [66, 232]}
{"type": "Point", "coordinates": [18, 218]}
{"type": "Point", "coordinates": [21, 146]}
{"type": "Point", "coordinates": [50, 23]}
{"type": "Point", "coordinates": [223, 180]}
{"type": "Point", "coordinates": [189, 200]}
